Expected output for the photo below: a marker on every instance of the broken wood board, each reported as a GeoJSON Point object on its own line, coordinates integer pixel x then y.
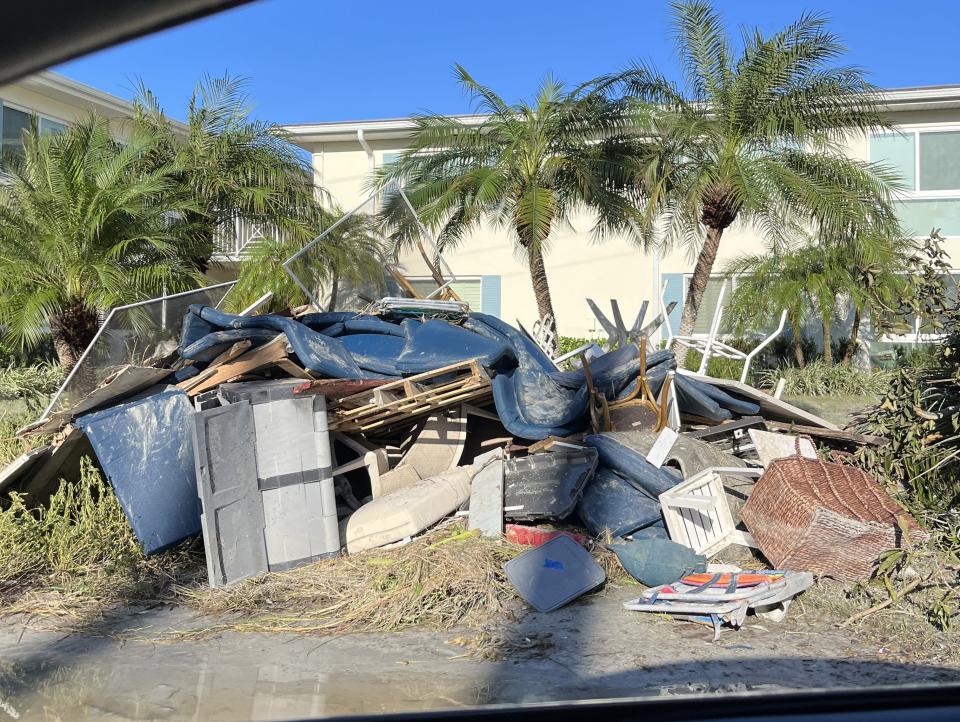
{"type": "Point", "coordinates": [770, 407]}
{"type": "Point", "coordinates": [549, 443]}
{"type": "Point", "coordinates": [400, 401]}
{"type": "Point", "coordinates": [61, 462]}
{"type": "Point", "coordinates": [125, 382]}
{"type": "Point", "coordinates": [248, 362]}
{"type": "Point", "coordinates": [337, 388]}
{"type": "Point", "coordinates": [770, 445]}
{"type": "Point", "coordinates": [849, 437]}
{"type": "Point", "coordinates": [290, 368]}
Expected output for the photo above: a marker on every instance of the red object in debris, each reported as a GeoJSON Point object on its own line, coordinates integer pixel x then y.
{"type": "Point", "coordinates": [533, 536]}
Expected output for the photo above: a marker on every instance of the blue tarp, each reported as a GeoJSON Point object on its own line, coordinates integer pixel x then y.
{"type": "Point", "coordinates": [145, 448]}
{"type": "Point", "coordinates": [533, 399]}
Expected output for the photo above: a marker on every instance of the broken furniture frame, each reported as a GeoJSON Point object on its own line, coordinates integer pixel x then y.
{"type": "Point", "coordinates": [617, 332]}
{"type": "Point", "coordinates": [661, 410]}
{"type": "Point", "coordinates": [400, 401]}
{"type": "Point", "coordinates": [711, 345]}
{"type": "Point", "coordinates": [698, 515]}
{"type": "Point", "coordinates": [81, 362]}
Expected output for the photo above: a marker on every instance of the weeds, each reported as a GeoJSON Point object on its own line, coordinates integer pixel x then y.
{"type": "Point", "coordinates": [77, 551]}
{"type": "Point", "coordinates": [10, 446]}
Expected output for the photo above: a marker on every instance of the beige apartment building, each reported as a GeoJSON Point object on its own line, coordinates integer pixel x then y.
{"type": "Point", "coordinates": [926, 152]}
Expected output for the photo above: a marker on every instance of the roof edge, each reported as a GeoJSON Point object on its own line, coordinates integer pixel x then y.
{"type": "Point", "coordinates": [307, 134]}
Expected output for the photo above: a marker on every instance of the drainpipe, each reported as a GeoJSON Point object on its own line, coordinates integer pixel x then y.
{"type": "Point", "coordinates": [655, 285]}
{"type": "Point", "coordinates": [370, 165]}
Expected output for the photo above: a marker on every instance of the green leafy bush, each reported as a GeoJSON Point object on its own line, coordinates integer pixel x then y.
{"type": "Point", "coordinates": [32, 384]}
{"type": "Point", "coordinates": [570, 343]}
{"type": "Point", "coordinates": [818, 378]}
{"type": "Point", "coordinates": [717, 366]}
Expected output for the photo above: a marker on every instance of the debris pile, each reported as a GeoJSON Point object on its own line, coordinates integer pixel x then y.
{"type": "Point", "coordinates": [283, 439]}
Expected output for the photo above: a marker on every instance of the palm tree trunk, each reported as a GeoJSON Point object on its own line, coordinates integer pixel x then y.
{"type": "Point", "coordinates": [541, 290]}
{"type": "Point", "coordinates": [797, 344]}
{"type": "Point", "coordinates": [828, 337]}
{"type": "Point", "coordinates": [851, 348]}
{"type": "Point", "coordinates": [72, 331]}
{"type": "Point", "coordinates": [698, 285]}
{"type": "Point", "coordinates": [334, 287]}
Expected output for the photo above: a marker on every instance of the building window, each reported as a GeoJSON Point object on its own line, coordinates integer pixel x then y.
{"type": "Point", "coordinates": [470, 290]}
{"type": "Point", "coordinates": [928, 161]}
{"type": "Point", "coordinates": [12, 124]}
{"type": "Point", "coordinates": [13, 121]}
{"type": "Point", "coordinates": [708, 304]}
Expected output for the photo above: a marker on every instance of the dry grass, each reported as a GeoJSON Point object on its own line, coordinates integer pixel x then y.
{"type": "Point", "coordinates": [444, 579]}
{"type": "Point", "coordinates": [901, 632]}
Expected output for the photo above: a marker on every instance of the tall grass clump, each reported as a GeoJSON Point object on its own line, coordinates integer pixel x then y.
{"type": "Point", "coordinates": [33, 385]}
{"type": "Point", "coordinates": [82, 533]}
{"type": "Point", "coordinates": [819, 378]}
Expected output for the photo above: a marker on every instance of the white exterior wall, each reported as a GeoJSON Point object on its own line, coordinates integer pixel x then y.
{"type": "Point", "coordinates": [66, 101]}
{"type": "Point", "coordinates": [578, 266]}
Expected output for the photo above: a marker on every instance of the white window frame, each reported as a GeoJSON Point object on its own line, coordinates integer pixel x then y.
{"type": "Point", "coordinates": [916, 130]}
{"type": "Point", "coordinates": [31, 111]}
{"type": "Point", "coordinates": [458, 279]}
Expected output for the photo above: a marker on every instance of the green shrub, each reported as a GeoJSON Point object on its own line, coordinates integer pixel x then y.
{"type": "Point", "coordinates": [570, 343]}
{"type": "Point", "coordinates": [717, 366]}
{"type": "Point", "coordinates": [821, 379]}
{"type": "Point", "coordinates": [31, 384]}
{"type": "Point", "coordinates": [10, 446]}
{"type": "Point", "coordinates": [82, 532]}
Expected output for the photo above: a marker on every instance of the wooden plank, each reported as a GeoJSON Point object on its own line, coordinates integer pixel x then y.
{"type": "Point", "coordinates": [252, 360]}
{"type": "Point", "coordinates": [403, 417]}
{"type": "Point", "coordinates": [293, 370]}
{"type": "Point", "coordinates": [236, 350]}
{"type": "Point", "coordinates": [849, 437]}
{"type": "Point", "coordinates": [405, 284]}
{"type": "Point", "coordinates": [399, 401]}
{"type": "Point", "coordinates": [471, 365]}
{"type": "Point", "coordinates": [548, 443]}
{"type": "Point", "coordinates": [727, 427]}
{"type": "Point", "coordinates": [231, 353]}
{"type": "Point", "coordinates": [408, 405]}
{"type": "Point", "coordinates": [337, 388]}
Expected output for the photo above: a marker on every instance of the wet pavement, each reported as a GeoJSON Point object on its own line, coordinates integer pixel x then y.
{"type": "Point", "coordinates": [593, 649]}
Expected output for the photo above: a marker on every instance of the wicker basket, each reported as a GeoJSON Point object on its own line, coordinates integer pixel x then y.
{"type": "Point", "coordinates": [824, 517]}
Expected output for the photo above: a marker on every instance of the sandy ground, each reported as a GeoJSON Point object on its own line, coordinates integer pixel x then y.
{"type": "Point", "coordinates": [134, 669]}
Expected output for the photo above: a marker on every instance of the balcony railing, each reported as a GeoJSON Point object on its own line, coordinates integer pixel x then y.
{"type": "Point", "coordinates": [236, 238]}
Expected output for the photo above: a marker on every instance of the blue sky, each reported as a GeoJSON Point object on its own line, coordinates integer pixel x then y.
{"type": "Point", "coordinates": [312, 61]}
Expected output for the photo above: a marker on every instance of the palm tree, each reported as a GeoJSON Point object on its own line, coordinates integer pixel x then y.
{"type": "Point", "coordinates": [870, 272]}
{"type": "Point", "coordinates": [83, 229]}
{"type": "Point", "coordinates": [755, 137]}
{"type": "Point", "coordinates": [526, 167]}
{"type": "Point", "coordinates": [803, 281]}
{"type": "Point", "coordinates": [233, 167]}
{"type": "Point", "coordinates": [353, 254]}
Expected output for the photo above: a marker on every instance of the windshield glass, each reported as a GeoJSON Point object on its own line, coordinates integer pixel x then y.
{"type": "Point", "coordinates": [435, 357]}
